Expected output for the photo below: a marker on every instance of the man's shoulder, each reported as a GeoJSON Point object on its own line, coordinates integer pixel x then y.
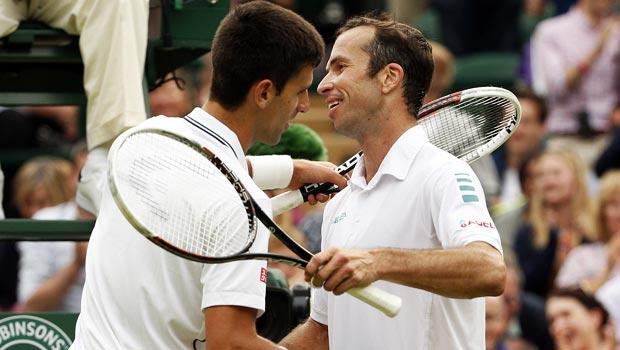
{"type": "Point", "coordinates": [556, 25]}
{"type": "Point", "coordinates": [432, 158]}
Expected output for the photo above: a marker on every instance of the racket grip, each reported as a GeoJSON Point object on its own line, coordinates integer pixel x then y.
{"type": "Point", "coordinates": [286, 201]}
{"type": "Point", "coordinates": [376, 297]}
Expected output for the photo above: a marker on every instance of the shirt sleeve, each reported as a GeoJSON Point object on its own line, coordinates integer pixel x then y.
{"type": "Point", "coordinates": [240, 283]}
{"type": "Point", "coordinates": [318, 311]}
{"type": "Point", "coordinates": [459, 208]}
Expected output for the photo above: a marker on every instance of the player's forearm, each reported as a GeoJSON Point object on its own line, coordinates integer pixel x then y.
{"type": "Point", "coordinates": [256, 343]}
{"type": "Point", "coordinates": [52, 291]}
{"type": "Point", "coordinates": [469, 272]}
{"type": "Point", "coordinates": [309, 335]}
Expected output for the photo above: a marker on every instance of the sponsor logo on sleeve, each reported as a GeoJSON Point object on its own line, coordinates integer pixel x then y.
{"type": "Point", "coordinates": [31, 332]}
{"type": "Point", "coordinates": [263, 275]}
{"type": "Point", "coordinates": [485, 224]}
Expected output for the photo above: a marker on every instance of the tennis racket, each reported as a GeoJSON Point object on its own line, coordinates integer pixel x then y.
{"type": "Point", "coordinates": [469, 124]}
{"type": "Point", "coordinates": [183, 198]}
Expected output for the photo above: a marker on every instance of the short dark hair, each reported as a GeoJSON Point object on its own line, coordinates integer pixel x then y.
{"type": "Point", "coordinates": [586, 299]}
{"type": "Point", "coordinates": [399, 43]}
{"type": "Point", "coordinates": [529, 94]}
{"type": "Point", "coordinates": [259, 40]}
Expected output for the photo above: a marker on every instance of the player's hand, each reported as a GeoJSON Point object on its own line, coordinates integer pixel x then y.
{"type": "Point", "coordinates": [339, 270]}
{"type": "Point", "coordinates": [306, 171]}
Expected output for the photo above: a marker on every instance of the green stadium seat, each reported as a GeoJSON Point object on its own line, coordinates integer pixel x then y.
{"type": "Point", "coordinates": [486, 69]}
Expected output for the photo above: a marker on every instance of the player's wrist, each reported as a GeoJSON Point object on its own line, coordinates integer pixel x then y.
{"type": "Point", "coordinates": [271, 172]}
{"type": "Point", "coordinates": [583, 68]}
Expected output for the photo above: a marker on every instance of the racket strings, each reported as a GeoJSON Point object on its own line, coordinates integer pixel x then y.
{"type": "Point", "coordinates": [179, 195]}
{"type": "Point", "coordinates": [463, 128]}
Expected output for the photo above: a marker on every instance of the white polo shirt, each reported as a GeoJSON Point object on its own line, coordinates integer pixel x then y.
{"type": "Point", "coordinates": [421, 198]}
{"type": "Point", "coordinates": [139, 296]}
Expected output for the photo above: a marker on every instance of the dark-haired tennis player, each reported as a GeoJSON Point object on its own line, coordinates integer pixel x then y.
{"type": "Point", "coordinates": [139, 296]}
{"type": "Point", "coordinates": [413, 220]}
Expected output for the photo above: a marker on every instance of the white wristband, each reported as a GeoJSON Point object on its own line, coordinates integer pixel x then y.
{"type": "Point", "coordinates": [271, 172]}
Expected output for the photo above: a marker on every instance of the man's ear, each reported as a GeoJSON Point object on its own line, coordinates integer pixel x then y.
{"type": "Point", "coordinates": [392, 77]}
{"type": "Point", "coordinates": [263, 92]}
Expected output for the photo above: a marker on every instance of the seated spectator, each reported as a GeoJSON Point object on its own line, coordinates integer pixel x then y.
{"type": "Point", "coordinates": [591, 265]}
{"type": "Point", "coordinates": [41, 182]}
{"type": "Point", "coordinates": [497, 320]}
{"type": "Point", "coordinates": [51, 274]}
{"type": "Point", "coordinates": [527, 326]}
{"type": "Point", "coordinates": [578, 321]}
{"type": "Point", "coordinates": [559, 218]}
{"type": "Point", "coordinates": [443, 72]}
{"type": "Point", "coordinates": [174, 97]}
{"type": "Point", "coordinates": [526, 140]}
{"type": "Point", "coordinates": [510, 161]}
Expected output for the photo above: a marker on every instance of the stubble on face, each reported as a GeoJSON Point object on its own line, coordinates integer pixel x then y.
{"type": "Point", "coordinates": [348, 68]}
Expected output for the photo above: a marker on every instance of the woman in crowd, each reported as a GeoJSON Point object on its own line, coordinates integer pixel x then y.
{"type": "Point", "coordinates": [560, 217]}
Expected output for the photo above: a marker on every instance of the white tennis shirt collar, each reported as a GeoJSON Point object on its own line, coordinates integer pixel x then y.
{"type": "Point", "coordinates": [208, 124]}
{"type": "Point", "coordinates": [396, 163]}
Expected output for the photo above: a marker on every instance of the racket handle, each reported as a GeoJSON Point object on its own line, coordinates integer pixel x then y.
{"type": "Point", "coordinates": [376, 297]}
{"type": "Point", "coordinates": [286, 201]}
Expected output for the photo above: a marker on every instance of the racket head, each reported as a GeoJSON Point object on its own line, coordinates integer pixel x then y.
{"type": "Point", "coordinates": [471, 123]}
{"type": "Point", "coordinates": [181, 196]}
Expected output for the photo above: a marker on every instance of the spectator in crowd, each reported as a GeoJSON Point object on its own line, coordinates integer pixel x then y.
{"type": "Point", "coordinates": [41, 182]}
{"type": "Point", "coordinates": [51, 274]}
{"type": "Point", "coordinates": [577, 320]}
{"type": "Point", "coordinates": [575, 65]}
{"type": "Point", "coordinates": [174, 98]}
{"type": "Point", "coordinates": [559, 218]}
{"type": "Point", "coordinates": [27, 128]}
{"type": "Point", "coordinates": [443, 72]}
{"type": "Point", "coordinates": [526, 140]}
{"type": "Point", "coordinates": [591, 265]}
{"type": "Point", "coordinates": [496, 324]}
{"type": "Point", "coordinates": [528, 328]}
{"type": "Point", "coordinates": [510, 159]}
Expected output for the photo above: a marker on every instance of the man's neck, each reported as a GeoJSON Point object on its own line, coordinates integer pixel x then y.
{"type": "Point", "coordinates": [234, 120]}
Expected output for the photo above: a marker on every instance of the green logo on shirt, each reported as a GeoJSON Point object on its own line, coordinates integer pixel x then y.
{"type": "Point", "coordinates": [340, 217]}
{"type": "Point", "coordinates": [466, 186]}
